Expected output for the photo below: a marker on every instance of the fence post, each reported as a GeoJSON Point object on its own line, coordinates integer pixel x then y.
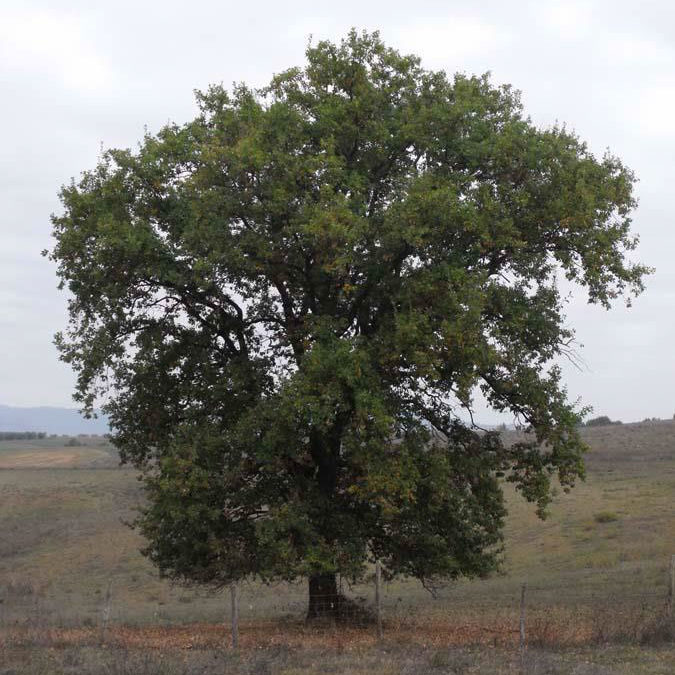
{"type": "Point", "coordinates": [378, 597]}
{"type": "Point", "coordinates": [522, 621]}
{"type": "Point", "coordinates": [671, 588]}
{"type": "Point", "coordinates": [234, 608]}
{"type": "Point", "coordinates": [105, 614]}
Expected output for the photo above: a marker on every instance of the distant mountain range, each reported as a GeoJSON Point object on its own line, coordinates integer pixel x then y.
{"type": "Point", "coordinates": [50, 420]}
{"type": "Point", "coordinates": [69, 421]}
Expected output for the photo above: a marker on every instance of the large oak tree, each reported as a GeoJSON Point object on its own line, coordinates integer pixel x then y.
{"type": "Point", "coordinates": [289, 304]}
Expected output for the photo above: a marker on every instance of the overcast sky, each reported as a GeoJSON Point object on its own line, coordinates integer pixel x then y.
{"type": "Point", "coordinates": [76, 76]}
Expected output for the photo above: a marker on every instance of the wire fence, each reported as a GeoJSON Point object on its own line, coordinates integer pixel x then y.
{"type": "Point", "coordinates": [527, 614]}
{"type": "Point", "coordinates": [582, 608]}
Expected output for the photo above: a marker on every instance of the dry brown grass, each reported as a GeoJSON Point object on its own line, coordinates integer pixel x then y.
{"type": "Point", "coordinates": [385, 659]}
{"type": "Point", "coordinates": [553, 628]}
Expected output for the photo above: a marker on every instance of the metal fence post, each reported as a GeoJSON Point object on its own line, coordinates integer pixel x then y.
{"type": "Point", "coordinates": [522, 621]}
{"type": "Point", "coordinates": [105, 614]}
{"type": "Point", "coordinates": [671, 587]}
{"type": "Point", "coordinates": [234, 607]}
{"type": "Point", "coordinates": [378, 598]}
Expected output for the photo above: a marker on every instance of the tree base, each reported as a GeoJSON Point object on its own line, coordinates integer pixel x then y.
{"type": "Point", "coordinates": [326, 604]}
{"type": "Point", "coordinates": [342, 610]}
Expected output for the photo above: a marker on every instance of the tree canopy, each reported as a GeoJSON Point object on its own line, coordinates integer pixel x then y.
{"type": "Point", "coordinates": [289, 304]}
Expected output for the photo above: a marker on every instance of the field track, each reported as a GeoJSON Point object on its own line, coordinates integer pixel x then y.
{"type": "Point", "coordinates": [43, 458]}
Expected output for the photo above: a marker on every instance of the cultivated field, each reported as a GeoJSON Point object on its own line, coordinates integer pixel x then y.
{"type": "Point", "coordinates": [77, 597]}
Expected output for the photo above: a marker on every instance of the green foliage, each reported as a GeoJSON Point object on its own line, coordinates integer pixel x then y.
{"type": "Point", "coordinates": [290, 301]}
{"type": "Point", "coordinates": [21, 435]}
{"type": "Point", "coordinates": [605, 517]}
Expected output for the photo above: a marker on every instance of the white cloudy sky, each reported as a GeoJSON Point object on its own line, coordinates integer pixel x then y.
{"type": "Point", "coordinates": [75, 76]}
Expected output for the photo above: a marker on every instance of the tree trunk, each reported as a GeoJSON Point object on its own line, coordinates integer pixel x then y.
{"type": "Point", "coordinates": [324, 599]}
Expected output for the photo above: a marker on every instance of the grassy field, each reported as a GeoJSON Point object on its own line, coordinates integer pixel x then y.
{"type": "Point", "coordinates": [596, 575]}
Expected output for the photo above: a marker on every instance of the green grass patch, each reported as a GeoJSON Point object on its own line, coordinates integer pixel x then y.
{"type": "Point", "coordinates": [605, 517]}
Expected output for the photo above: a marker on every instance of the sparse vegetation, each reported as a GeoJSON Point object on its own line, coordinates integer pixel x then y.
{"type": "Point", "coordinates": [601, 421]}
{"type": "Point", "coordinates": [21, 435]}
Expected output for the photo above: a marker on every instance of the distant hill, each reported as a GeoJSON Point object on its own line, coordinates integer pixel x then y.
{"type": "Point", "coordinates": [50, 420]}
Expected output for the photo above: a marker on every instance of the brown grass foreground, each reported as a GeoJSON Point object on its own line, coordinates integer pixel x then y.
{"type": "Point", "coordinates": [557, 628]}
{"type": "Point", "coordinates": [276, 648]}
